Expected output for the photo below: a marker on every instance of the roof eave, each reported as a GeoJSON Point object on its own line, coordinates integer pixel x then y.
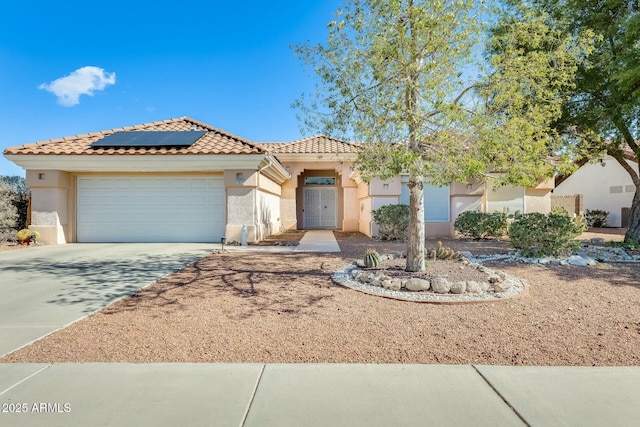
{"type": "Point", "coordinates": [131, 163]}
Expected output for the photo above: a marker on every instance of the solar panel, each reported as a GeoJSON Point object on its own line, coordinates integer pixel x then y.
{"type": "Point", "coordinates": [150, 139]}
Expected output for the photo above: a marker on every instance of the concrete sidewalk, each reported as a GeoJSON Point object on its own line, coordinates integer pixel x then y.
{"type": "Point", "coordinates": [316, 395]}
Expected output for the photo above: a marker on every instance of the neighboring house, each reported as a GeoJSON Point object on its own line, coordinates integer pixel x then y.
{"type": "Point", "coordinates": [181, 180]}
{"type": "Point", "coordinates": [604, 185]}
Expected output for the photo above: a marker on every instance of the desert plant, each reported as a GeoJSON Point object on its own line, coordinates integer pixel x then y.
{"type": "Point", "coordinates": [19, 194]}
{"type": "Point", "coordinates": [596, 217]}
{"type": "Point", "coordinates": [26, 236]}
{"type": "Point", "coordinates": [481, 225]}
{"type": "Point", "coordinates": [8, 213]}
{"type": "Point", "coordinates": [392, 220]}
{"type": "Point", "coordinates": [371, 258]}
{"type": "Point", "coordinates": [536, 234]}
{"type": "Point", "coordinates": [442, 252]}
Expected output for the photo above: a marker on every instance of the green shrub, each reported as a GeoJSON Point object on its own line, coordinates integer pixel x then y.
{"type": "Point", "coordinates": [596, 217]}
{"type": "Point", "coordinates": [393, 221]}
{"type": "Point", "coordinates": [536, 234]}
{"type": "Point", "coordinates": [481, 225]}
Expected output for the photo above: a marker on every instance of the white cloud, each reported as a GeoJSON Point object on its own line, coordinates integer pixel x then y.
{"type": "Point", "coordinates": [83, 81]}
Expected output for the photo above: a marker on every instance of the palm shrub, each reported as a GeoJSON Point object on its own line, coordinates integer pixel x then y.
{"type": "Point", "coordinates": [393, 221]}
{"type": "Point", "coordinates": [536, 234]}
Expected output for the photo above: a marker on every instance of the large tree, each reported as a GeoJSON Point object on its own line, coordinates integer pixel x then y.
{"type": "Point", "coordinates": [405, 76]}
{"type": "Point", "coordinates": [603, 115]}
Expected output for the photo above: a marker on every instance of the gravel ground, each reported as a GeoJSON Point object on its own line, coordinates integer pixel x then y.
{"type": "Point", "coordinates": [266, 307]}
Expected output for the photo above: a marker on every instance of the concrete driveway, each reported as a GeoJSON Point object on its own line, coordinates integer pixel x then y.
{"type": "Point", "coordinates": [45, 288]}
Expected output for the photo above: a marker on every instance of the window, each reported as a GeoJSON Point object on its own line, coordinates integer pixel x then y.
{"type": "Point", "coordinates": [436, 201]}
{"type": "Point", "coordinates": [319, 180]}
{"type": "Point", "coordinates": [616, 189]}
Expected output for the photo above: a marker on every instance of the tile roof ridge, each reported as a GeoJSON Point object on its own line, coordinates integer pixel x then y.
{"type": "Point", "coordinates": [308, 138]}
{"type": "Point", "coordinates": [210, 128]}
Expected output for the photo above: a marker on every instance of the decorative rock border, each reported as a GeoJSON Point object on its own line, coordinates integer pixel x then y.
{"type": "Point", "coordinates": [499, 286]}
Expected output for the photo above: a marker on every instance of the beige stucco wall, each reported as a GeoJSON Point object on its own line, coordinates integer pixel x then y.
{"type": "Point", "coordinates": [52, 201]}
{"type": "Point", "coordinates": [537, 200]}
{"type": "Point", "coordinates": [253, 200]}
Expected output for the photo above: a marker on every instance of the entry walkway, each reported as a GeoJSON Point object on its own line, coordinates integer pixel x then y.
{"type": "Point", "coordinates": [318, 241]}
{"type": "Point", "coordinates": [124, 394]}
{"type": "Point", "coordinates": [312, 241]}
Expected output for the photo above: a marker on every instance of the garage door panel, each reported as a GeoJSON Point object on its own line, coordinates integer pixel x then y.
{"type": "Point", "coordinates": [151, 209]}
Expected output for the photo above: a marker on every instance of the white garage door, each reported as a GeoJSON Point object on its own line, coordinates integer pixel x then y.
{"type": "Point", "coordinates": [151, 209]}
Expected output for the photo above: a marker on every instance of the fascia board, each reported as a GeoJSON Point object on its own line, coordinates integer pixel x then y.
{"type": "Point", "coordinates": [137, 163]}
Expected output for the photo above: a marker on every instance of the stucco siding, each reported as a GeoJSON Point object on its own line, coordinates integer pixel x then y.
{"type": "Point", "coordinates": [268, 214]}
{"type": "Point", "coordinates": [607, 187]}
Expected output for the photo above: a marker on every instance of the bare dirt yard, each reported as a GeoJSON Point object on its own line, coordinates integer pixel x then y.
{"type": "Point", "coordinates": [283, 307]}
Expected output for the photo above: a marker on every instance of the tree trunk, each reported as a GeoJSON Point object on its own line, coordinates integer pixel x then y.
{"type": "Point", "coordinates": [415, 244]}
{"type": "Point", "coordinates": [633, 233]}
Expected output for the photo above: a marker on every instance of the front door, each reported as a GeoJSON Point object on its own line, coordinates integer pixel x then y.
{"type": "Point", "coordinates": [320, 207]}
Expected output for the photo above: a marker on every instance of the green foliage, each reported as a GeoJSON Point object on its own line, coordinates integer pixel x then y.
{"type": "Point", "coordinates": [442, 252]}
{"type": "Point", "coordinates": [596, 217]}
{"type": "Point", "coordinates": [602, 114]}
{"type": "Point", "coordinates": [537, 234]}
{"type": "Point", "coordinates": [8, 213]}
{"type": "Point", "coordinates": [481, 225]}
{"type": "Point", "coordinates": [392, 221]}
{"type": "Point", "coordinates": [371, 258]}
{"type": "Point", "coordinates": [19, 194]}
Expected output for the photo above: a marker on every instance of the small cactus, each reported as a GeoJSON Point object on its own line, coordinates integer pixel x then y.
{"type": "Point", "coordinates": [371, 258]}
{"type": "Point", "coordinates": [442, 252]}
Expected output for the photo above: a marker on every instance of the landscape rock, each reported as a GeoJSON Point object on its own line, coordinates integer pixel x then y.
{"type": "Point", "coordinates": [441, 285]}
{"type": "Point", "coordinates": [578, 260]}
{"type": "Point", "coordinates": [418, 285]}
{"type": "Point", "coordinates": [494, 278]}
{"type": "Point", "coordinates": [501, 287]}
{"type": "Point", "coordinates": [474, 287]}
{"type": "Point", "coordinates": [458, 288]}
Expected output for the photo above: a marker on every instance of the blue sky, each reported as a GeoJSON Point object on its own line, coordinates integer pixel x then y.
{"type": "Point", "coordinates": [77, 67]}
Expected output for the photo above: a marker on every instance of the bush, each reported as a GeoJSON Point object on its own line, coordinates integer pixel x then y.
{"type": "Point", "coordinates": [26, 235]}
{"type": "Point", "coordinates": [481, 225]}
{"type": "Point", "coordinates": [393, 221]}
{"type": "Point", "coordinates": [536, 234]}
{"type": "Point", "coordinates": [8, 213]}
{"type": "Point", "coordinates": [596, 218]}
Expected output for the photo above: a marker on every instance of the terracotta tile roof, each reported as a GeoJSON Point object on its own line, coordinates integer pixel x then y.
{"type": "Point", "coordinates": [318, 144]}
{"type": "Point", "coordinates": [215, 141]}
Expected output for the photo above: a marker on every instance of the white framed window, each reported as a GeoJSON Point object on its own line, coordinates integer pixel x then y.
{"type": "Point", "coordinates": [436, 201]}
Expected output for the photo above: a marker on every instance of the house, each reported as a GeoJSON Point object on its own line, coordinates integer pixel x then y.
{"type": "Point", "coordinates": [181, 180]}
{"type": "Point", "coordinates": [604, 185]}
